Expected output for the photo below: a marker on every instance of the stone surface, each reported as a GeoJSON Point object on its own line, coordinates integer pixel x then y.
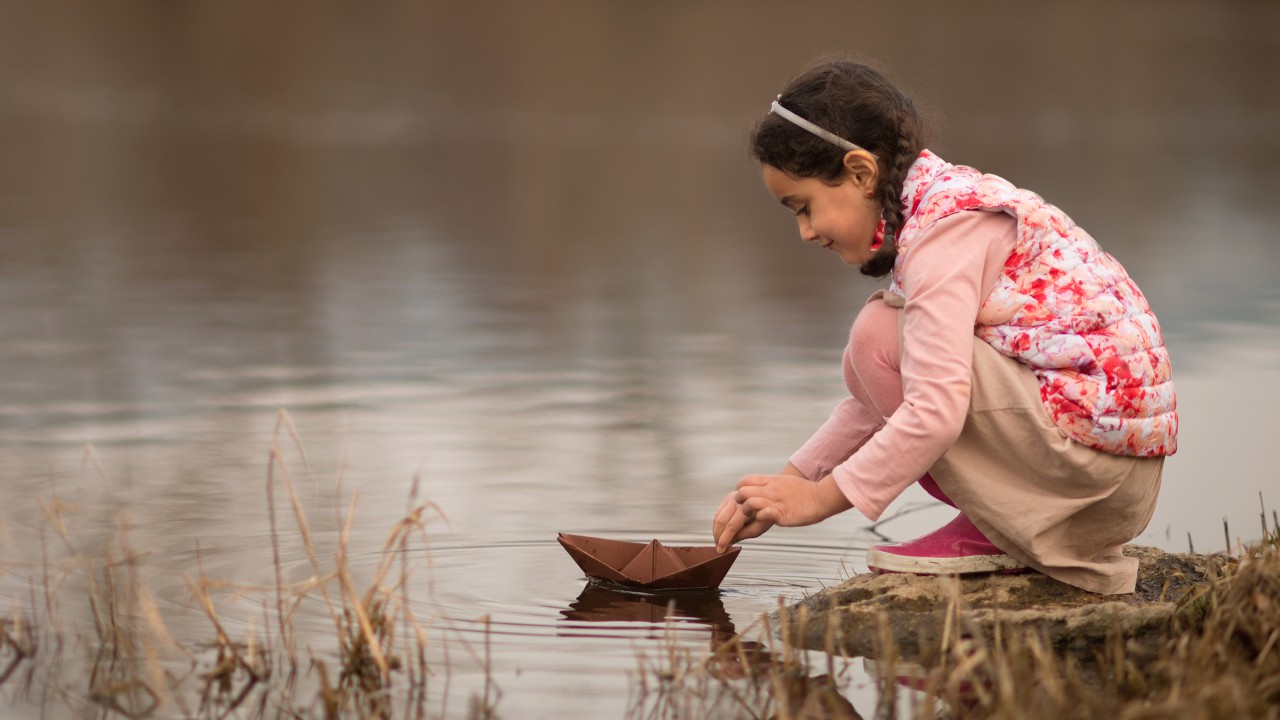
{"type": "Point", "coordinates": [859, 615]}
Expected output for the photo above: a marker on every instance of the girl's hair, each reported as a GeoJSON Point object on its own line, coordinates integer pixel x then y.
{"type": "Point", "coordinates": [862, 106]}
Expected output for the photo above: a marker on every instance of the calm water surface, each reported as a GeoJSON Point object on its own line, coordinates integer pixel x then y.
{"type": "Point", "coordinates": [518, 256]}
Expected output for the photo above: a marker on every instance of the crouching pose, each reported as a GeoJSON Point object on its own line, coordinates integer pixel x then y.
{"type": "Point", "coordinates": [1012, 367]}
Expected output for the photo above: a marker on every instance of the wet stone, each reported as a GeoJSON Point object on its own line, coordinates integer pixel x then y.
{"type": "Point", "coordinates": [860, 615]}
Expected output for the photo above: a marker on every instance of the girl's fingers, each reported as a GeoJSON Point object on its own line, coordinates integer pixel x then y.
{"type": "Point", "coordinates": [753, 480]}
{"type": "Point", "coordinates": [753, 529]}
{"type": "Point", "coordinates": [761, 507]}
{"type": "Point", "coordinates": [723, 514]}
{"type": "Point", "coordinates": [725, 539]}
{"type": "Point", "coordinates": [730, 532]}
{"type": "Point", "coordinates": [728, 522]}
{"type": "Point", "coordinates": [747, 492]}
{"type": "Point", "coordinates": [754, 505]}
{"type": "Point", "coordinates": [746, 512]}
{"type": "Point", "coordinates": [741, 527]}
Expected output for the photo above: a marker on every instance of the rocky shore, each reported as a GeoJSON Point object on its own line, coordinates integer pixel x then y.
{"type": "Point", "coordinates": [918, 614]}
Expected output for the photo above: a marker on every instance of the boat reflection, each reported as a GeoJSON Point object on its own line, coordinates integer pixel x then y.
{"type": "Point", "coordinates": [608, 610]}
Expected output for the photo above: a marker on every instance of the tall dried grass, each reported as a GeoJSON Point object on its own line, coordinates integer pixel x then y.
{"type": "Point", "coordinates": [1221, 660]}
{"type": "Point", "coordinates": [132, 666]}
{"type": "Point", "coordinates": [741, 678]}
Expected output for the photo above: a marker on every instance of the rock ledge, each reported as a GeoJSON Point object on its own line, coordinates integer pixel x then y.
{"type": "Point", "coordinates": [856, 616]}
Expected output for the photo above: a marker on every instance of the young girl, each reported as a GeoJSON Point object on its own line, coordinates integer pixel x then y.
{"type": "Point", "coordinates": [1012, 367]}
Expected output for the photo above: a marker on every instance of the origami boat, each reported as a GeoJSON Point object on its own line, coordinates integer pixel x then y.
{"type": "Point", "coordinates": [650, 565]}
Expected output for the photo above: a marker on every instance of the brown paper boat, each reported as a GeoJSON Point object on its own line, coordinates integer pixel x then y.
{"type": "Point", "coordinates": [650, 565]}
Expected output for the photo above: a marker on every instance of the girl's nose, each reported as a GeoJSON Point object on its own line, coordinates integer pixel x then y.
{"type": "Point", "coordinates": [806, 232]}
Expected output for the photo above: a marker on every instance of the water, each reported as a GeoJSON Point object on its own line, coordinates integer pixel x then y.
{"type": "Point", "coordinates": [517, 253]}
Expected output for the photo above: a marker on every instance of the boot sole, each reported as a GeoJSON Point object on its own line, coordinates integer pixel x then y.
{"type": "Point", "coordinates": [883, 562]}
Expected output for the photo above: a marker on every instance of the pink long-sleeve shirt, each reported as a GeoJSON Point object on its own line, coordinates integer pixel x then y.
{"type": "Point", "coordinates": [947, 272]}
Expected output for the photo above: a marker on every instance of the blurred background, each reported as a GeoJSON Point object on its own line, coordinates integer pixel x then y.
{"type": "Point", "coordinates": [518, 251]}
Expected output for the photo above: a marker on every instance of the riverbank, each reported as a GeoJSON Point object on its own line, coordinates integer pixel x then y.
{"type": "Point", "coordinates": [1199, 639]}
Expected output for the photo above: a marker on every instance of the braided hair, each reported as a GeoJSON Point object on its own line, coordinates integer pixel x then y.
{"type": "Point", "coordinates": [859, 104]}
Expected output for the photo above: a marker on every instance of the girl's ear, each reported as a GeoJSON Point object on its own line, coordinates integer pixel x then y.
{"type": "Point", "coordinates": [863, 170]}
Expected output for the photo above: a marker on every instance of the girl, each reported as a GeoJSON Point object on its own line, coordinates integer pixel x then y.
{"type": "Point", "coordinates": [1012, 367]}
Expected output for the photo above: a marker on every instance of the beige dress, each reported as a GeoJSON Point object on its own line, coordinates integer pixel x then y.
{"type": "Point", "coordinates": [1060, 507]}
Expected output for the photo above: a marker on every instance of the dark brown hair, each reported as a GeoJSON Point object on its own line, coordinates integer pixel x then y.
{"type": "Point", "coordinates": [859, 104]}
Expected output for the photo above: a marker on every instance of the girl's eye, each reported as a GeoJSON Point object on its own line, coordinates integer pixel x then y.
{"type": "Point", "coordinates": [803, 211]}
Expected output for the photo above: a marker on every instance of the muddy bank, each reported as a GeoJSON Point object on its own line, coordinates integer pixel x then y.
{"type": "Point", "coordinates": [861, 615]}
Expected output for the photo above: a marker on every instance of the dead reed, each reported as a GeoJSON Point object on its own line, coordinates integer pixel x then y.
{"type": "Point", "coordinates": [373, 663]}
{"type": "Point", "coordinates": [1221, 660]}
{"type": "Point", "coordinates": [741, 678]}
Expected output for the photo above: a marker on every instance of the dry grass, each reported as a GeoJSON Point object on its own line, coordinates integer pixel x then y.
{"type": "Point", "coordinates": [1222, 660]}
{"type": "Point", "coordinates": [740, 678]}
{"type": "Point", "coordinates": [130, 665]}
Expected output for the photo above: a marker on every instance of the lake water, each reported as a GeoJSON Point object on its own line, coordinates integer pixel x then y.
{"type": "Point", "coordinates": [516, 253]}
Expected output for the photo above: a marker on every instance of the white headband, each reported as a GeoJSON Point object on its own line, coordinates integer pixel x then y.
{"type": "Point", "coordinates": [824, 134]}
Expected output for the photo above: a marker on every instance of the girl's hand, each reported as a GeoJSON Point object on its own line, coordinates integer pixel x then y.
{"type": "Point", "coordinates": [731, 524]}
{"type": "Point", "coordinates": [788, 501]}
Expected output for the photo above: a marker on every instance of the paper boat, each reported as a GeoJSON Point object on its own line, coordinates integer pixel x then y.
{"type": "Point", "coordinates": [650, 565]}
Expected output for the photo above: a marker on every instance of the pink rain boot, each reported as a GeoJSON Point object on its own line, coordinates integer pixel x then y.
{"type": "Point", "coordinates": [954, 549]}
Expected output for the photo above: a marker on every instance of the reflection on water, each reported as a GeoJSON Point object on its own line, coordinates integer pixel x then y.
{"type": "Point", "coordinates": [516, 251]}
{"type": "Point", "coordinates": [600, 603]}
{"type": "Point", "coordinates": [761, 680]}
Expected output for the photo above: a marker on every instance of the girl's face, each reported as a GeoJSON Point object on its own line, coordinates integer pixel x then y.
{"type": "Point", "coordinates": [841, 217]}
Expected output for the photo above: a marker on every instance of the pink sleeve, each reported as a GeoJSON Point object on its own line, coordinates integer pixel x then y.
{"type": "Point", "coordinates": [844, 432]}
{"type": "Point", "coordinates": [946, 274]}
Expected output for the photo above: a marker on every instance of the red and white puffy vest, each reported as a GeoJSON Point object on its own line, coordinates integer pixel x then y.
{"type": "Point", "coordinates": [1063, 308]}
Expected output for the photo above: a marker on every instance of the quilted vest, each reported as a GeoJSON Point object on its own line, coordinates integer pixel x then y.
{"type": "Point", "coordinates": [1064, 308]}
